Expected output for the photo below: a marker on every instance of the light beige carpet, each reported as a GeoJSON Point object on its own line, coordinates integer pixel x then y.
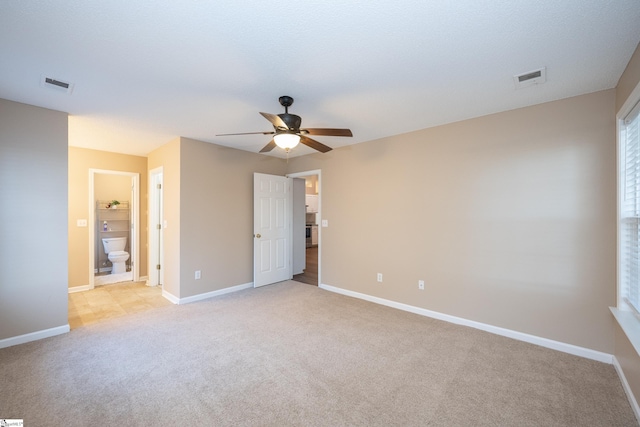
{"type": "Point", "coordinates": [293, 354]}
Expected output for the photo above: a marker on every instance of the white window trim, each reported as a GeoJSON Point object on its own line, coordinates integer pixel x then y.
{"type": "Point", "coordinates": [626, 317]}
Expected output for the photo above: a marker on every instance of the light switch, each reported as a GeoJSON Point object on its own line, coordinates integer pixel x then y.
{"type": "Point", "coordinates": [165, 223]}
{"type": "Point", "coordinates": [81, 223]}
{"type": "Point", "coordinates": [325, 222]}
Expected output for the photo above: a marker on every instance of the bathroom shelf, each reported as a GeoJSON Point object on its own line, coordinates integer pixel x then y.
{"type": "Point", "coordinates": [118, 221]}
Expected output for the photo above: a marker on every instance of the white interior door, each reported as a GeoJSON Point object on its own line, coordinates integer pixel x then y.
{"type": "Point", "coordinates": [155, 222]}
{"type": "Point", "coordinates": [299, 220]}
{"type": "Point", "coordinates": [272, 229]}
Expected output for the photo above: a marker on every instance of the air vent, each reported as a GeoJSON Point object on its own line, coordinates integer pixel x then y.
{"type": "Point", "coordinates": [56, 84]}
{"type": "Point", "coordinates": [530, 78]}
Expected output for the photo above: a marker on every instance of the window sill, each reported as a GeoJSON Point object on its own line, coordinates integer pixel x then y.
{"type": "Point", "coordinates": [630, 325]}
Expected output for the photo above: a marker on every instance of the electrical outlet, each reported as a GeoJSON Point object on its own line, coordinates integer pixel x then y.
{"type": "Point", "coordinates": [198, 274]}
{"type": "Point", "coordinates": [421, 285]}
{"type": "Point", "coordinates": [379, 277]}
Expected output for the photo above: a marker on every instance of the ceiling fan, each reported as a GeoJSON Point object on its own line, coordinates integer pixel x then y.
{"type": "Point", "coordinates": [287, 133]}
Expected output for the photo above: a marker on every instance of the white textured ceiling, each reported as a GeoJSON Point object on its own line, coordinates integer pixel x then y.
{"type": "Point", "coordinates": [146, 71]}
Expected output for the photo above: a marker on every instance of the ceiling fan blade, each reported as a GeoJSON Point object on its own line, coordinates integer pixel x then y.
{"type": "Point", "coordinates": [275, 120]}
{"type": "Point", "coordinates": [246, 133]}
{"type": "Point", "coordinates": [327, 131]}
{"type": "Point", "coordinates": [270, 146]}
{"type": "Point", "coordinates": [314, 144]}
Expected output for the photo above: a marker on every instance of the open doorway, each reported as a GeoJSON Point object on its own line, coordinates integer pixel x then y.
{"type": "Point", "coordinates": [114, 219]}
{"type": "Point", "coordinates": [312, 214]}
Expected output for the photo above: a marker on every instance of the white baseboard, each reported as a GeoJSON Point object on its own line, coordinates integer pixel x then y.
{"type": "Point", "coordinates": [625, 385]}
{"type": "Point", "coordinates": [532, 339]}
{"type": "Point", "coordinates": [206, 295]}
{"type": "Point", "coordinates": [174, 299]}
{"type": "Point", "coordinates": [80, 288]}
{"type": "Point", "coordinates": [33, 336]}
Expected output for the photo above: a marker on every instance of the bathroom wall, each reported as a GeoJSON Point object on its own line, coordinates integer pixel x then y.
{"type": "Point", "coordinates": [112, 187]}
{"type": "Point", "coordinates": [80, 161]}
{"type": "Point", "coordinates": [33, 222]}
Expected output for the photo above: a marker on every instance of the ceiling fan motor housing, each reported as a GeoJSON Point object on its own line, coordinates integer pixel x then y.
{"type": "Point", "coordinates": [292, 121]}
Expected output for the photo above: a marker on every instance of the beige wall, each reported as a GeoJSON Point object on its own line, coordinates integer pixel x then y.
{"type": "Point", "coordinates": [311, 185]}
{"type": "Point", "coordinates": [509, 219]}
{"type": "Point", "coordinates": [627, 356]}
{"type": "Point", "coordinates": [217, 216]}
{"type": "Point", "coordinates": [33, 246]}
{"type": "Point", "coordinates": [168, 157]}
{"type": "Point", "coordinates": [629, 79]}
{"type": "Point", "coordinates": [80, 161]}
{"type": "Point", "coordinates": [208, 201]}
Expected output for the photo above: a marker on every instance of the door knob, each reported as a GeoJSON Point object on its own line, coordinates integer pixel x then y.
{"type": "Point", "coordinates": [258, 236]}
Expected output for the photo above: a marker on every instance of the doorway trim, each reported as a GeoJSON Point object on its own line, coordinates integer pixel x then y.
{"type": "Point", "coordinates": [135, 221]}
{"type": "Point", "coordinates": [156, 227]}
{"type": "Point", "coordinates": [318, 173]}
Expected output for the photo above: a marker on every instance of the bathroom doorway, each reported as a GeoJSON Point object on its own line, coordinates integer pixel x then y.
{"type": "Point", "coordinates": [113, 218]}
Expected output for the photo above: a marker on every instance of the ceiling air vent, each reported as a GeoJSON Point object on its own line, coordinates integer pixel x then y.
{"type": "Point", "coordinates": [530, 78]}
{"type": "Point", "coordinates": [56, 84]}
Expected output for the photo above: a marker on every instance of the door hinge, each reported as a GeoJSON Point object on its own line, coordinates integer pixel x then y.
{"type": "Point", "coordinates": [159, 186]}
{"type": "Point", "coordinates": [158, 267]}
{"type": "Point", "coordinates": [158, 227]}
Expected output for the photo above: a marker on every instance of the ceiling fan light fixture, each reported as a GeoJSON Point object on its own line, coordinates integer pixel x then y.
{"type": "Point", "coordinates": [286, 140]}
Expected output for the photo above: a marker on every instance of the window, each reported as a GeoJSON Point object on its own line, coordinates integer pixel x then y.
{"type": "Point", "coordinates": [629, 226]}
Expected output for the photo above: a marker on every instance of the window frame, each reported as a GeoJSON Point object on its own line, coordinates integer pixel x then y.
{"type": "Point", "coordinates": [627, 317]}
{"type": "Point", "coordinates": [628, 211]}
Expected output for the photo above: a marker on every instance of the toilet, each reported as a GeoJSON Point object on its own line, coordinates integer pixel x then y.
{"type": "Point", "coordinates": [114, 248]}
